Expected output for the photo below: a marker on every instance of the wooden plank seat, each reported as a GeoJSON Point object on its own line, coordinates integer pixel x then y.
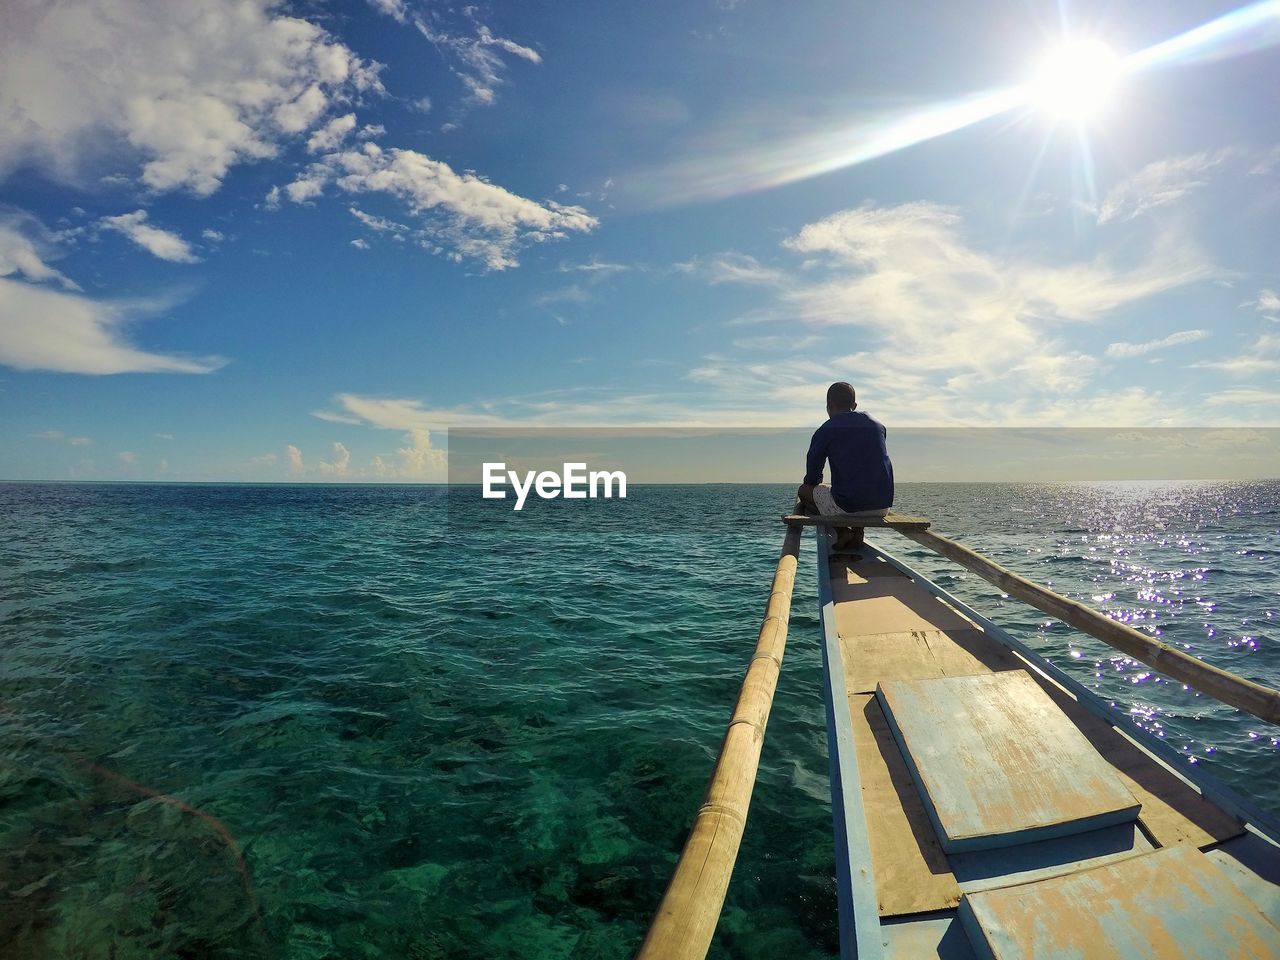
{"type": "Point", "coordinates": [896, 521]}
{"type": "Point", "coordinates": [997, 762]}
{"type": "Point", "coordinates": [1172, 904]}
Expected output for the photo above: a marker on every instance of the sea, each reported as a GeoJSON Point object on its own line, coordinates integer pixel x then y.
{"type": "Point", "coordinates": [325, 721]}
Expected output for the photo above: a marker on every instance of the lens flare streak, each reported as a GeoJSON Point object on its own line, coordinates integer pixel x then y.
{"type": "Point", "coordinates": [1246, 30]}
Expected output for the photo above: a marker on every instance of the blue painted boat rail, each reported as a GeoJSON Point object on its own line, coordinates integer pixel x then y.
{"type": "Point", "coordinates": [860, 936]}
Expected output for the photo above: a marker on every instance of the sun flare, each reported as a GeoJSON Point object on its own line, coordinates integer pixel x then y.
{"type": "Point", "coordinates": [1076, 81]}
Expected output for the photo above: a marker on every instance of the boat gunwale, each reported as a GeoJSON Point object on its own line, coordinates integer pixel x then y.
{"type": "Point", "coordinates": [858, 905]}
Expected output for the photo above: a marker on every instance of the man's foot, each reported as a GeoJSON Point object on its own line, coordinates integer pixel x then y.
{"type": "Point", "coordinates": [848, 540]}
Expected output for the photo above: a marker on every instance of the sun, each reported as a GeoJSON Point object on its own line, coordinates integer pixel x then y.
{"type": "Point", "coordinates": [1076, 81]}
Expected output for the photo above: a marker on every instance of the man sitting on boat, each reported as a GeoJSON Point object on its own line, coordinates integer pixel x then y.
{"type": "Point", "coordinates": [861, 472]}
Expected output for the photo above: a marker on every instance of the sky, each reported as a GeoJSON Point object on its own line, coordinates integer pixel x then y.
{"type": "Point", "coordinates": [301, 241]}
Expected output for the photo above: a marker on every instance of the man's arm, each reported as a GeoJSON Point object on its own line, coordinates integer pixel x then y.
{"type": "Point", "coordinates": [815, 459]}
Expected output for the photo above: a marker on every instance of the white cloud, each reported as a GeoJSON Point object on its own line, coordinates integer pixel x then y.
{"type": "Point", "coordinates": [188, 89]}
{"type": "Point", "coordinates": [159, 243]}
{"type": "Point", "coordinates": [24, 247]}
{"type": "Point", "coordinates": [416, 460]}
{"type": "Point", "coordinates": [573, 293]}
{"type": "Point", "coordinates": [337, 466]}
{"type": "Point", "coordinates": [732, 268]}
{"type": "Point", "coordinates": [407, 416]}
{"type": "Point", "coordinates": [378, 224]}
{"type": "Point", "coordinates": [43, 329]}
{"type": "Point", "coordinates": [1268, 301]}
{"type": "Point", "coordinates": [59, 435]}
{"type": "Point", "coordinates": [213, 236]}
{"type": "Point", "coordinates": [1159, 183]}
{"type": "Point", "coordinates": [1138, 349]}
{"type": "Point", "coordinates": [331, 135]}
{"type": "Point", "coordinates": [1258, 359]}
{"type": "Point", "coordinates": [933, 329]}
{"type": "Point", "coordinates": [463, 215]}
{"type": "Point", "coordinates": [396, 9]}
{"type": "Point", "coordinates": [360, 244]}
{"type": "Point", "coordinates": [1240, 366]}
{"type": "Point", "coordinates": [480, 61]}
{"type": "Point", "coordinates": [1245, 396]}
{"type": "Point", "coordinates": [595, 268]}
{"type": "Point", "coordinates": [909, 281]}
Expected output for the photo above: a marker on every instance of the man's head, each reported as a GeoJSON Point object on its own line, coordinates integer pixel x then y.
{"type": "Point", "coordinates": [840, 398]}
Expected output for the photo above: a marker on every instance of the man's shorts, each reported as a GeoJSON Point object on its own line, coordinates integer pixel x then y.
{"type": "Point", "coordinates": [827, 503]}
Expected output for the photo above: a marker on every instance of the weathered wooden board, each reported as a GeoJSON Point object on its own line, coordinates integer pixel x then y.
{"type": "Point", "coordinates": [846, 573]}
{"type": "Point", "coordinates": [998, 763]}
{"type": "Point", "coordinates": [919, 654]}
{"type": "Point", "coordinates": [892, 605]}
{"type": "Point", "coordinates": [1251, 862]}
{"type": "Point", "coordinates": [927, 938]}
{"type": "Point", "coordinates": [1006, 866]}
{"type": "Point", "coordinates": [898, 521]}
{"type": "Point", "coordinates": [910, 868]}
{"type": "Point", "coordinates": [1172, 811]}
{"type": "Point", "coordinates": [1174, 904]}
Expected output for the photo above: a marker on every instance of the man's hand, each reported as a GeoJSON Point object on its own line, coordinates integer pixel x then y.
{"type": "Point", "coordinates": [805, 496]}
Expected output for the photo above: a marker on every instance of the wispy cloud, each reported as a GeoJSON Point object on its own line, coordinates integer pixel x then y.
{"type": "Point", "coordinates": [25, 244]}
{"type": "Point", "coordinates": [1160, 183]}
{"type": "Point", "coordinates": [1268, 302]}
{"type": "Point", "coordinates": [595, 268]}
{"type": "Point", "coordinates": [401, 414]}
{"type": "Point", "coordinates": [908, 279]}
{"type": "Point", "coordinates": [160, 243]}
{"type": "Point", "coordinates": [570, 294]}
{"type": "Point", "coordinates": [479, 59]}
{"type": "Point", "coordinates": [938, 330]}
{"type": "Point", "coordinates": [66, 332]}
{"type": "Point", "coordinates": [397, 10]}
{"type": "Point", "coordinates": [732, 268]}
{"type": "Point", "coordinates": [63, 437]}
{"type": "Point", "coordinates": [461, 216]}
{"type": "Point", "coordinates": [1259, 358]}
{"type": "Point", "coordinates": [1139, 349]}
{"type": "Point", "coordinates": [63, 330]}
{"type": "Point", "coordinates": [190, 89]}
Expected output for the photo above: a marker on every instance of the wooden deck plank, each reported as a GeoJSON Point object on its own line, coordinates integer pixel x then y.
{"type": "Point", "coordinates": [998, 763]}
{"type": "Point", "coordinates": [892, 605]}
{"type": "Point", "coordinates": [911, 871]}
{"type": "Point", "coordinates": [919, 654]}
{"type": "Point", "coordinates": [1173, 903]}
{"type": "Point", "coordinates": [1172, 812]}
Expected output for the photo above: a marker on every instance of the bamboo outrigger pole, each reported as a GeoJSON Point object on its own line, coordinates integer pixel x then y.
{"type": "Point", "coordinates": [1253, 698]}
{"type": "Point", "coordinates": [686, 919]}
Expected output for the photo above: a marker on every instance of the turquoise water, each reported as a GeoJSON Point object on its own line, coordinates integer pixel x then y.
{"type": "Point", "coordinates": [289, 722]}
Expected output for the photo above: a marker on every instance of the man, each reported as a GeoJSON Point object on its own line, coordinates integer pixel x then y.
{"type": "Point", "coordinates": [861, 473]}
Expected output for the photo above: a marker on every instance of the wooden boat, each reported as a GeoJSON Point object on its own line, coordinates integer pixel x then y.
{"type": "Point", "coordinates": [985, 804]}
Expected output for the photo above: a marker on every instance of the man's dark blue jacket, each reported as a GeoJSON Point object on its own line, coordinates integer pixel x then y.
{"type": "Point", "coordinates": [861, 474]}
